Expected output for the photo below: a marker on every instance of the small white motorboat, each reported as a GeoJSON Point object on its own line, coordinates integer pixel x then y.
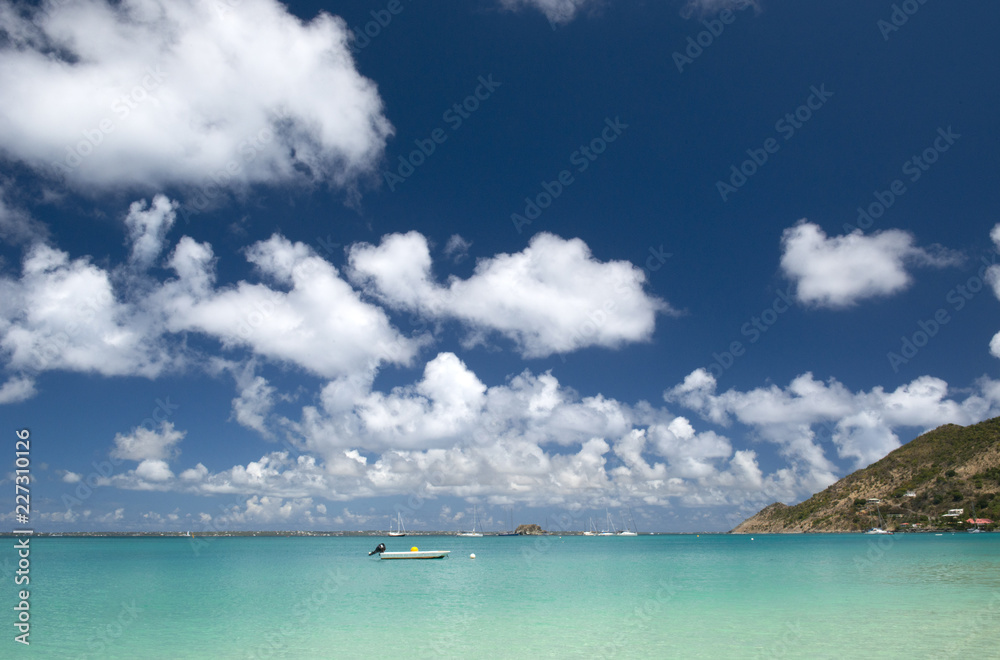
{"type": "Point", "coordinates": [413, 553]}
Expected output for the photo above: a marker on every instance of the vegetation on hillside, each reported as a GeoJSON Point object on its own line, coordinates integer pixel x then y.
{"type": "Point", "coordinates": [951, 467]}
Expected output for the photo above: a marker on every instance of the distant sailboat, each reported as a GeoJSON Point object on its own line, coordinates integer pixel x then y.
{"type": "Point", "coordinates": [611, 530]}
{"type": "Point", "coordinates": [474, 524]}
{"type": "Point", "coordinates": [510, 513]}
{"type": "Point", "coordinates": [400, 530]}
{"type": "Point", "coordinates": [881, 524]}
{"type": "Point", "coordinates": [627, 531]}
{"type": "Point", "coordinates": [593, 529]}
{"type": "Point", "coordinates": [975, 519]}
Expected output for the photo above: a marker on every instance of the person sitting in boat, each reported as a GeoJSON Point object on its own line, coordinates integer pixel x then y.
{"type": "Point", "coordinates": [380, 548]}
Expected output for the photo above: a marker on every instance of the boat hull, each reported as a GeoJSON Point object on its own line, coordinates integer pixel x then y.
{"type": "Point", "coordinates": [419, 554]}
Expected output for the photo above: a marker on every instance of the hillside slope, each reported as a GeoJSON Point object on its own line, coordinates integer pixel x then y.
{"type": "Point", "coordinates": [951, 467]}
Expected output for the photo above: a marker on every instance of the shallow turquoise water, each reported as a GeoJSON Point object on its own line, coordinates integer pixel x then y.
{"type": "Point", "coordinates": [815, 596]}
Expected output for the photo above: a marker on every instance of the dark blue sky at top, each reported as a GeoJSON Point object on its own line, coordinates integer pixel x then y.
{"type": "Point", "coordinates": [653, 188]}
{"type": "Point", "coordinates": [656, 184]}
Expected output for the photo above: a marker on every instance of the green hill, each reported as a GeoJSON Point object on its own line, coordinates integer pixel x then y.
{"type": "Point", "coordinates": [951, 467]}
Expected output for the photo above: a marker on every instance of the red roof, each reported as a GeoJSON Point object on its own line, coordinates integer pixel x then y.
{"type": "Point", "coordinates": [979, 521]}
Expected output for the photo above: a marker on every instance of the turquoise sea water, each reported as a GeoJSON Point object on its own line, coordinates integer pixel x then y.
{"type": "Point", "coordinates": [684, 596]}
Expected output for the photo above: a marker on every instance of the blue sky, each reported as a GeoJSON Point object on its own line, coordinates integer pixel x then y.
{"type": "Point", "coordinates": [300, 266]}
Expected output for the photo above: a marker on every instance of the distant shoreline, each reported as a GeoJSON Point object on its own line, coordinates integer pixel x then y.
{"type": "Point", "coordinates": [366, 533]}
{"type": "Point", "coordinates": [382, 534]}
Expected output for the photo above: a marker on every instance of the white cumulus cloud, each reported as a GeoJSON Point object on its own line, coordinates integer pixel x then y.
{"type": "Point", "coordinates": [861, 424]}
{"type": "Point", "coordinates": [320, 323]}
{"type": "Point", "coordinates": [154, 470]}
{"type": "Point", "coordinates": [64, 314]}
{"type": "Point", "coordinates": [149, 446]}
{"type": "Point", "coordinates": [840, 271]}
{"type": "Point", "coordinates": [533, 441]}
{"type": "Point", "coordinates": [552, 297]}
{"type": "Point", "coordinates": [254, 403]}
{"type": "Point", "coordinates": [150, 93]}
{"type": "Point", "coordinates": [73, 315]}
{"type": "Point", "coordinates": [17, 389]}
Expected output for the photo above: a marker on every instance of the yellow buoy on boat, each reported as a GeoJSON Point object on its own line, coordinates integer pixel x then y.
{"type": "Point", "coordinates": [414, 549]}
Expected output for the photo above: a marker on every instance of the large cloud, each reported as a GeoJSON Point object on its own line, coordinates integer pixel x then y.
{"type": "Point", "coordinates": [552, 297]}
{"type": "Point", "coordinates": [150, 93]}
{"type": "Point", "coordinates": [64, 314]}
{"type": "Point", "coordinates": [70, 314]}
{"type": "Point", "coordinates": [450, 406]}
{"type": "Point", "coordinates": [535, 442]}
{"type": "Point", "coordinates": [529, 440]}
{"type": "Point", "coordinates": [842, 270]}
{"type": "Point", "coordinates": [319, 323]}
{"type": "Point", "coordinates": [861, 424]}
